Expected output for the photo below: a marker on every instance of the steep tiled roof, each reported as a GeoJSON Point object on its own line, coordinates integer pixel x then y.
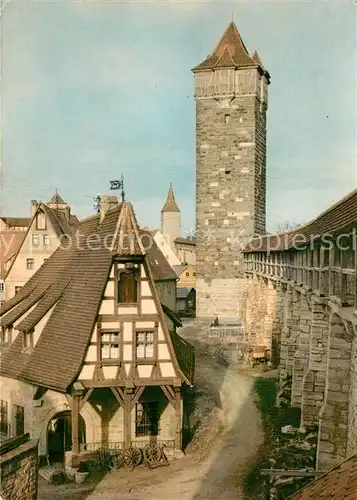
{"type": "Point", "coordinates": [126, 241]}
{"type": "Point", "coordinates": [17, 221]}
{"type": "Point", "coordinates": [340, 216]}
{"type": "Point", "coordinates": [170, 204]}
{"type": "Point", "coordinates": [72, 282]}
{"type": "Point", "coordinates": [339, 483]}
{"type": "Point", "coordinates": [159, 265]}
{"type": "Point", "coordinates": [230, 52]}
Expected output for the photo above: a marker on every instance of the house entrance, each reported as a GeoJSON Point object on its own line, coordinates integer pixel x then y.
{"type": "Point", "coordinates": [59, 435]}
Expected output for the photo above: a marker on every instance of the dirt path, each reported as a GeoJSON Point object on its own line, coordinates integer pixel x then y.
{"type": "Point", "coordinates": [215, 464]}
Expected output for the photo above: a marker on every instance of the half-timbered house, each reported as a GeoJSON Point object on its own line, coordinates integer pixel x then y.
{"type": "Point", "coordinates": [93, 357]}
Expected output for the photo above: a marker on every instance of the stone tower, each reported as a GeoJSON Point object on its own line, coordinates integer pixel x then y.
{"type": "Point", "coordinates": [171, 218]}
{"type": "Point", "coordinates": [231, 91]}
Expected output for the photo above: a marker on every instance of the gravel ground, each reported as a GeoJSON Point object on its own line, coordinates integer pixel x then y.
{"type": "Point", "coordinates": [217, 460]}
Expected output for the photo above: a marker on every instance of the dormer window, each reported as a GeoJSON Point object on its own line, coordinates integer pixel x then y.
{"type": "Point", "coordinates": [28, 341]}
{"type": "Point", "coordinates": [5, 335]}
{"type": "Point", "coordinates": [127, 286]}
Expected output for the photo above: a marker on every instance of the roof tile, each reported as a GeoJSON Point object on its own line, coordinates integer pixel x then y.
{"type": "Point", "coordinates": [230, 48]}
{"type": "Point", "coordinates": [339, 483]}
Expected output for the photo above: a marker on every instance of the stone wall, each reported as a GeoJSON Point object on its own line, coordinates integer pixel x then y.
{"type": "Point", "coordinates": [314, 381]}
{"type": "Point", "coordinates": [318, 351]}
{"type": "Point", "coordinates": [19, 472]}
{"type": "Point", "coordinates": [334, 418]}
{"type": "Point", "coordinates": [352, 418]}
{"type": "Point", "coordinates": [230, 193]}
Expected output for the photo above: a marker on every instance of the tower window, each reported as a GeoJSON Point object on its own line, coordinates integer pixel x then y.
{"type": "Point", "coordinates": [227, 171]}
{"type": "Point", "coordinates": [226, 118]}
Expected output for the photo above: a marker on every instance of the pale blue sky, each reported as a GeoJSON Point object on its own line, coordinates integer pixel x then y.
{"type": "Point", "coordinates": [91, 90]}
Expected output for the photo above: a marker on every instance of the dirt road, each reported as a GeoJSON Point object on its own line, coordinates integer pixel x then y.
{"type": "Point", "coordinates": [220, 455]}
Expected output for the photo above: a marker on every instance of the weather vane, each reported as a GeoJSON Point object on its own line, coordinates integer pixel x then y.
{"type": "Point", "coordinates": [118, 185]}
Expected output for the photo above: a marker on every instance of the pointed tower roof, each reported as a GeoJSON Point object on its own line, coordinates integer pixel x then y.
{"type": "Point", "coordinates": [170, 205]}
{"type": "Point", "coordinates": [126, 241]}
{"type": "Point", "coordinates": [56, 200]}
{"type": "Point", "coordinates": [230, 50]}
{"type": "Point", "coordinates": [256, 58]}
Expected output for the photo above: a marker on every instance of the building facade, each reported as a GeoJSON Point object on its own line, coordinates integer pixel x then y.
{"type": "Point", "coordinates": [186, 276]}
{"type": "Point", "coordinates": [49, 226]}
{"type": "Point", "coordinates": [93, 357]}
{"type": "Point", "coordinates": [231, 90]}
{"type": "Point", "coordinates": [12, 233]}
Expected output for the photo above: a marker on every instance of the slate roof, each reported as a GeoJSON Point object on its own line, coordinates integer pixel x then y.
{"type": "Point", "coordinates": [342, 216]}
{"type": "Point", "coordinates": [170, 204]}
{"type": "Point", "coordinates": [230, 52]}
{"type": "Point", "coordinates": [17, 221]}
{"type": "Point", "coordinates": [179, 269]}
{"type": "Point", "coordinates": [339, 483]}
{"type": "Point", "coordinates": [182, 293]}
{"type": "Point", "coordinates": [56, 200]}
{"type": "Point", "coordinates": [72, 281]}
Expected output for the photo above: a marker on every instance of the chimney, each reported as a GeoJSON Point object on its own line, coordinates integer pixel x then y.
{"type": "Point", "coordinates": [107, 203]}
{"type": "Point", "coordinates": [34, 206]}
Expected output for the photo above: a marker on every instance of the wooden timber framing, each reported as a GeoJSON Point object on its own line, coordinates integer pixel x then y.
{"type": "Point", "coordinates": [327, 269]}
{"type": "Point", "coordinates": [135, 382]}
{"type": "Point", "coordinates": [127, 398]}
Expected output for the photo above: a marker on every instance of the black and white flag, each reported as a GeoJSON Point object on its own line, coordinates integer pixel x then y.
{"type": "Point", "coordinates": [115, 184]}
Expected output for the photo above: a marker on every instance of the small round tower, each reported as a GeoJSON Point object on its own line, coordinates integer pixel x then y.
{"type": "Point", "coordinates": [171, 218]}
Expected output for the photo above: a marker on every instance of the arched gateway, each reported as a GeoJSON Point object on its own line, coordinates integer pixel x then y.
{"type": "Point", "coordinates": [59, 435]}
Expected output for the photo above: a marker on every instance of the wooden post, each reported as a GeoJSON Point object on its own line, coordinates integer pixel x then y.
{"type": "Point", "coordinates": [178, 440]}
{"type": "Point", "coordinates": [77, 393]}
{"type": "Point", "coordinates": [127, 419]}
{"type": "Point", "coordinates": [75, 424]}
